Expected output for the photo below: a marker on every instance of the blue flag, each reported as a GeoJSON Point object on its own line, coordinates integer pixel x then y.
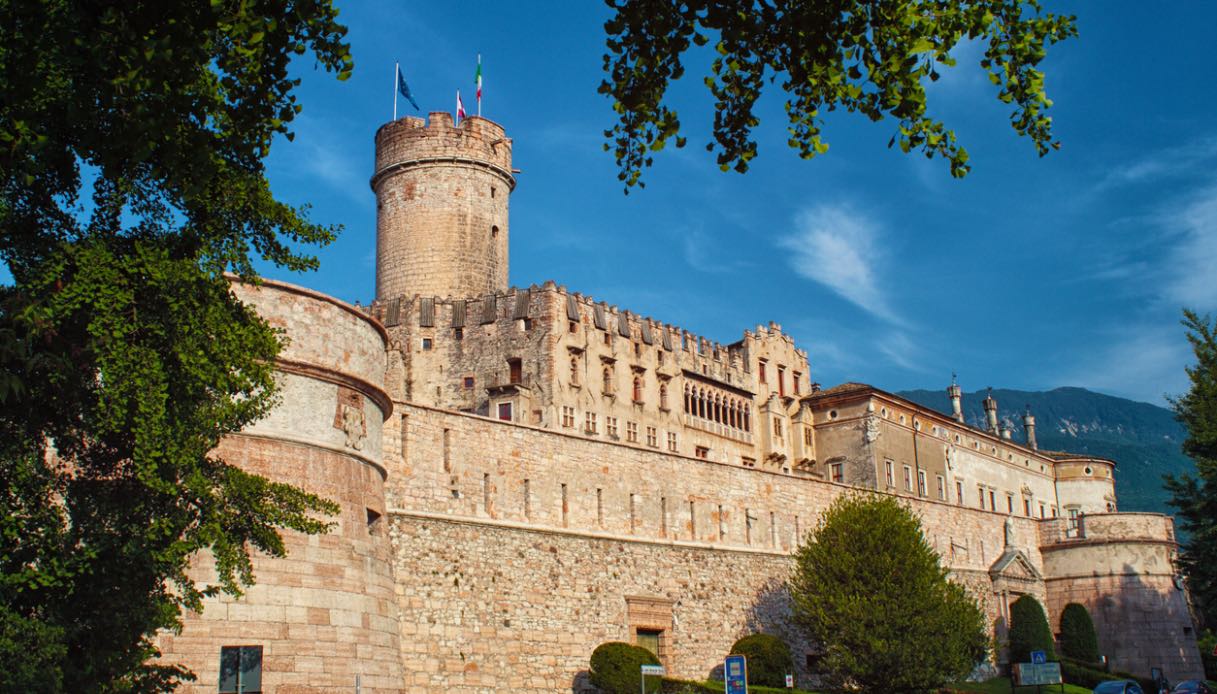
{"type": "Point", "coordinates": [405, 89]}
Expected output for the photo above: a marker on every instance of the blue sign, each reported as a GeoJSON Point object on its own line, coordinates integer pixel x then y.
{"type": "Point", "coordinates": [735, 674]}
{"type": "Point", "coordinates": [1039, 657]}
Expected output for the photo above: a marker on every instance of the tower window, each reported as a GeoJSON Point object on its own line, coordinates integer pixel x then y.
{"type": "Point", "coordinates": [494, 232]}
{"type": "Point", "coordinates": [240, 669]}
{"type": "Point", "coordinates": [492, 191]}
{"type": "Point", "coordinates": [426, 344]}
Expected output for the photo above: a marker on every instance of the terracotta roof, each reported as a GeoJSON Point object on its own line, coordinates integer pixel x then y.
{"type": "Point", "coordinates": [849, 387]}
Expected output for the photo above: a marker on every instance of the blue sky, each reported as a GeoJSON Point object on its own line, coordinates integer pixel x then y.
{"type": "Point", "coordinates": [1030, 273]}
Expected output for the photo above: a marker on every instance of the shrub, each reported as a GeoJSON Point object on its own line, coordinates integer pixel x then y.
{"type": "Point", "coordinates": [1082, 674]}
{"type": "Point", "coordinates": [768, 657]}
{"type": "Point", "coordinates": [1029, 630]}
{"type": "Point", "coordinates": [616, 667]}
{"type": "Point", "coordinates": [1207, 642]}
{"type": "Point", "coordinates": [1078, 638]}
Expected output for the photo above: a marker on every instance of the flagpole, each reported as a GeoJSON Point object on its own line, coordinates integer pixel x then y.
{"type": "Point", "coordinates": [396, 72]}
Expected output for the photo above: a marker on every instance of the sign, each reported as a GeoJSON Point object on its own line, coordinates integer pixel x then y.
{"type": "Point", "coordinates": [1038, 673]}
{"type": "Point", "coordinates": [790, 681]}
{"type": "Point", "coordinates": [1039, 657]}
{"type": "Point", "coordinates": [652, 670]}
{"type": "Point", "coordinates": [735, 675]}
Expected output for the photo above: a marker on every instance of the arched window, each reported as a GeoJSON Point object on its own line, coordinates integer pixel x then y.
{"type": "Point", "coordinates": [663, 396]}
{"type": "Point", "coordinates": [637, 389]}
{"type": "Point", "coordinates": [688, 400]}
{"type": "Point", "coordinates": [701, 403]}
{"type": "Point", "coordinates": [718, 408]}
{"type": "Point", "coordinates": [734, 415]}
{"type": "Point", "coordinates": [747, 418]}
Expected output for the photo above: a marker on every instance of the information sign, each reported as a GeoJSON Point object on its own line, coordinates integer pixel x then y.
{"type": "Point", "coordinates": [1039, 657]}
{"type": "Point", "coordinates": [652, 670]}
{"type": "Point", "coordinates": [735, 674]}
{"type": "Point", "coordinates": [1038, 673]}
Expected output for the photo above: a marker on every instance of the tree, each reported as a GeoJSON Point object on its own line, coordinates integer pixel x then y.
{"type": "Point", "coordinates": [1078, 638]}
{"type": "Point", "coordinates": [769, 659]}
{"type": "Point", "coordinates": [871, 591]}
{"type": "Point", "coordinates": [1029, 630]}
{"type": "Point", "coordinates": [616, 667]}
{"type": "Point", "coordinates": [1196, 497]}
{"type": "Point", "coordinates": [131, 144]}
{"type": "Point", "coordinates": [867, 57]}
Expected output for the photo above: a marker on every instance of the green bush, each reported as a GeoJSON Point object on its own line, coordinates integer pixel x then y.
{"type": "Point", "coordinates": [1078, 638]}
{"type": "Point", "coordinates": [1083, 675]}
{"type": "Point", "coordinates": [1029, 630]}
{"type": "Point", "coordinates": [616, 667]}
{"type": "Point", "coordinates": [768, 657]}
{"type": "Point", "coordinates": [1207, 642]}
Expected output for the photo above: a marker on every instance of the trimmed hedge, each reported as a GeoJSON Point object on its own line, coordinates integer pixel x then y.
{"type": "Point", "coordinates": [1029, 630]}
{"type": "Point", "coordinates": [1078, 638]}
{"type": "Point", "coordinates": [1088, 675]}
{"type": "Point", "coordinates": [768, 658]}
{"type": "Point", "coordinates": [616, 667]}
{"type": "Point", "coordinates": [674, 686]}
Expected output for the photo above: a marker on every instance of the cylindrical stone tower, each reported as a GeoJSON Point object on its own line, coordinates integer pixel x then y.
{"type": "Point", "coordinates": [441, 207]}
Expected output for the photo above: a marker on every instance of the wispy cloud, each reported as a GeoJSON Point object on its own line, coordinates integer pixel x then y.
{"type": "Point", "coordinates": [318, 154]}
{"type": "Point", "coordinates": [1190, 268]}
{"type": "Point", "coordinates": [1165, 163]}
{"type": "Point", "coordinates": [1143, 361]}
{"type": "Point", "coordinates": [838, 247]}
{"type": "Point", "coordinates": [698, 250]}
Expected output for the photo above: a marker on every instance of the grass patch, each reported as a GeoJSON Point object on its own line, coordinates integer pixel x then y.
{"type": "Point", "coordinates": [1001, 685]}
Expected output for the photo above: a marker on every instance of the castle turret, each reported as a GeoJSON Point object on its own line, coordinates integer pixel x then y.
{"type": "Point", "coordinates": [1029, 425]}
{"type": "Point", "coordinates": [956, 395]}
{"type": "Point", "coordinates": [991, 414]}
{"type": "Point", "coordinates": [441, 207]}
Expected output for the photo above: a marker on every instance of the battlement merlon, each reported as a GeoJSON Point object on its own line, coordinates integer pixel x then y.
{"type": "Point", "coordinates": [412, 141]}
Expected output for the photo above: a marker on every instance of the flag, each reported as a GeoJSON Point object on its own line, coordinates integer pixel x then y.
{"type": "Point", "coordinates": [478, 78]}
{"type": "Point", "coordinates": [405, 88]}
{"type": "Point", "coordinates": [460, 107]}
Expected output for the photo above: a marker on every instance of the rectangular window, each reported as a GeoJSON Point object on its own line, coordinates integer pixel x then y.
{"type": "Point", "coordinates": [505, 411]}
{"type": "Point", "coordinates": [1027, 507]}
{"type": "Point", "coordinates": [426, 344]}
{"type": "Point", "coordinates": [458, 333]}
{"type": "Point", "coordinates": [777, 428]}
{"type": "Point", "coordinates": [807, 436]}
{"type": "Point", "coordinates": [610, 423]}
{"type": "Point", "coordinates": [631, 432]}
{"type": "Point", "coordinates": [241, 669]}
{"type": "Point", "coordinates": [836, 472]}
{"type": "Point", "coordinates": [889, 471]}
{"type": "Point", "coordinates": [942, 487]}
{"type": "Point", "coordinates": [468, 382]}
{"type": "Point", "coordinates": [794, 381]}
{"type": "Point", "coordinates": [908, 478]}
{"type": "Point", "coordinates": [589, 422]}
{"type": "Point", "coordinates": [760, 371]}
{"type": "Point", "coordinates": [782, 381]}
{"type": "Point", "coordinates": [1042, 510]}
{"type": "Point", "coordinates": [921, 486]}
{"type": "Point", "coordinates": [648, 639]}
{"type": "Point", "coordinates": [515, 371]}
{"type": "Point", "coordinates": [980, 496]}
{"type": "Point", "coordinates": [568, 416]}
{"type": "Point", "coordinates": [1010, 503]}
{"type": "Point", "coordinates": [959, 493]}
{"type": "Point", "coordinates": [672, 441]}
{"type": "Point", "coordinates": [702, 452]}
{"type": "Point", "coordinates": [992, 500]}
{"type": "Point", "coordinates": [652, 437]}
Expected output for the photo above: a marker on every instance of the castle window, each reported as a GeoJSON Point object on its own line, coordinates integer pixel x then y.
{"type": "Point", "coordinates": [782, 381]}
{"type": "Point", "coordinates": [648, 639]}
{"type": "Point", "coordinates": [240, 669]}
{"type": "Point", "coordinates": [889, 473]}
{"type": "Point", "coordinates": [836, 472]}
{"type": "Point", "coordinates": [688, 400]}
{"type": "Point", "coordinates": [638, 389]}
{"type": "Point", "coordinates": [1027, 507]}
{"type": "Point", "coordinates": [702, 452]}
{"type": "Point", "coordinates": [760, 371]}
{"type": "Point", "coordinates": [908, 478]}
{"type": "Point", "coordinates": [468, 382]}
{"type": "Point", "coordinates": [980, 496]}
{"type": "Point", "coordinates": [1042, 512]}
{"type": "Point", "coordinates": [610, 425]}
{"type": "Point", "coordinates": [568, 416]}
{"type": "Point", "coordinates": [672, 441]}
{"type": "Point", "coordinates": [426, 344]}
{"type": "Point", "coordinates": [572, 326]}
{"type": "Point", "coordinates": [747, 418]}
{"type": "Point", "coordinates": [748, 462]}
{"type": "Point", "coordinates": [515, 371]}
{"type": "Point", "coordinates": [652, 437]}
{"type": "Point", "coordinates": [992, 500]}
{"type": "Point", "coordinates": [942, 487]}
{"type": "Point", "coordinates": [663, 396]}
{"type": "Point", "coordinates": [659, 356]}
{"type": "Point", "coordinates": [959, 493]}
{"type": "Point", "coordinates": [638, 349]}
{"type": "Point", "coordinates": [589, 422]}
{"type": "Point", "coordinates": [807, 436]}
{"type": "Point", "coordinates": [631, 432]}
{"type": "Point", "coordinates": [777, 428]}
{"type": "Point", "coordinates": [1009, 503]}
{"type": "Point", "coordinates": [608, 338]}
{"type": "Point", "coordinates": [458, 333]}
{"type": "Point", "coordinates": [505, 411]}
{"type": "Point", "coordinates": [494, 232]}
{"type": "Point", "coordinates": [921, 485]}
{"type": "Point", "coordinates": [607, 375]}
{"type": "Point", "coordinates": [574, 371]}
{"type": "Point", "coordinates": [794, 384]}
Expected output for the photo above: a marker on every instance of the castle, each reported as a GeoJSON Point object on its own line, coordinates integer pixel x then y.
{"type": "Point", "coordinates": [525, 473]}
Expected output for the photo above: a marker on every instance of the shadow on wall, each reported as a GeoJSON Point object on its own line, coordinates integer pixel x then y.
{"type": "Point", "coordinates": [582, 683]}
{"type": "Point", "coordinates": [1142, 626]}
{"type": "Point", "coordinates": [771, 612]}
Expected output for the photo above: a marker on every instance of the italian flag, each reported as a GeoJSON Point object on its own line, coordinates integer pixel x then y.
{"type": "Point", "coordinates": [477, 79]}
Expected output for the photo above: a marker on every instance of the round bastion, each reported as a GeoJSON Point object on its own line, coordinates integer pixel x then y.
{"type": "Point", "coordinates": [324, 615]}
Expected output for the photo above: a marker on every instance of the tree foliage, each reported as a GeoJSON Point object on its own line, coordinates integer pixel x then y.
{"type": "Point", "coordinates": [1196, 497]}
{"type": "Point", "coordinates": [871, 591]}
{"type": "Point", "coordinates": [131, 143]}
{"type": "Point", "coordinates": [1029, 630]}
{"type": "Point", "coordinates": [616, 667]}
{"type": "Point", "coordinates": [1078, 637]}
{"type": "Point", "coordinates": [769, 659]}
{"type": "Point", "coordinates": [872, 58]}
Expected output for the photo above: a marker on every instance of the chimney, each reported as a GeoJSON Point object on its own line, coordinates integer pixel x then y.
{"type": "Point", "coordinates": [1007, 431]}
{"type": "Point", "coordinates": [991, 413]}
{"type": "Point", "coordinates": [956, 395]}
{"type": "Point", "coordinates": [1029, 425]}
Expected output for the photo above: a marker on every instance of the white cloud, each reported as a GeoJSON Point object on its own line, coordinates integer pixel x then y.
{"type": "Point", "coordinates": [1165, 163]}
{"type": "Point", "coordinates": [1143, 361]}
{"type": "Point", "coordinates": [318, 154]}
{"type": "Point", "coordinates": [1191, 268]}
{"type": "Point", "coordinates": [839, 248]}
